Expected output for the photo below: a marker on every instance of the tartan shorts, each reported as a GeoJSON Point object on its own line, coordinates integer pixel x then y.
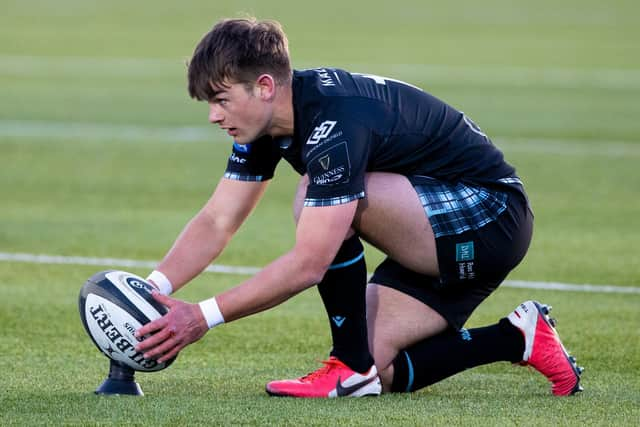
{"type": "Point", "coordinates": [454, 208]}
{"type": "Point", "coordinates": [481, 235]}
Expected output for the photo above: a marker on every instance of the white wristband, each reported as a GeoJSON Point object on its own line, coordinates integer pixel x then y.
{"type": "Point", "coordinates": [211, 312]}
{"type": "Point", "coordinates": [161, 281]}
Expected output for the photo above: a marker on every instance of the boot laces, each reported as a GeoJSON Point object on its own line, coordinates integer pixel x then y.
{"type": "Point", "coordinates": [329, 365]}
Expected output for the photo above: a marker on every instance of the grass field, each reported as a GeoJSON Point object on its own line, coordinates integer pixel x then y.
{"type": "Point", "coordinates": [102, 154]}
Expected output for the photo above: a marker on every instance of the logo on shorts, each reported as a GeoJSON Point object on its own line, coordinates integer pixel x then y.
{"type": "Point", "coordinates": [464, 251]}
{"type": "Point", "coordinates": [464, 257]}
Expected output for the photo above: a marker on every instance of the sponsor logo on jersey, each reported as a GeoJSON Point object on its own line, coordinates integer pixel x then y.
{"type": "Point", "coordinates": [324, 162]}
{"type": "Point", "coordinates": [325, 77]}
{"type": "Point", "coordinates": [321, 132]}
{"type": "Point", "coordinates": [330, 167]}
{"type": "Point", "coordinates": [243, 148]}
{"type": "Point", "coordinates": [329, 177]}
{"type": "Point", "coordinates": [237, 159]}
{"type": "Point", "coordinates": [330, 138]}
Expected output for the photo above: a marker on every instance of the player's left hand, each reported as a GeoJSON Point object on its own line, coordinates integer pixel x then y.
{"type": "Point", "coordinates": [181, 326]}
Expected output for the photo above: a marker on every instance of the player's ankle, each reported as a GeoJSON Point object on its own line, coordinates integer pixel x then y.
{"type": "Point", "coordinates": [386, 378]}
{"type": "Point", "coordinates": [359, 360]}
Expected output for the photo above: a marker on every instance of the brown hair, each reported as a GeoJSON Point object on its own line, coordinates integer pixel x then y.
{"type": "Point", "coordinates": [238, 51]}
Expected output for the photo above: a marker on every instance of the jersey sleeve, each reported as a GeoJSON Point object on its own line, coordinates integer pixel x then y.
{"type": "Point", "coordinates": [336, 154]}
{"type": "Point", "coordinates": [255, 161]}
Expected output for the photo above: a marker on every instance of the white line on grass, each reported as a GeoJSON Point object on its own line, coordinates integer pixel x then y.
{"type": "Point", "coordinates": [51, 130]}
{"type": "Point", "coordinates": [113, 262]}
{"type": "Point", "coordinates": [88, 131]}
{"type": "Point", "coordinates": [227, 269]}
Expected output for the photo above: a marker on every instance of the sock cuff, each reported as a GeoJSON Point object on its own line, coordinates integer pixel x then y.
{"type": "Point", "coordinates": [513, 335]}
{"type": "Point", "coordinates": [350, 251]}
{"type": "Point", "coordinates": [403, 375]}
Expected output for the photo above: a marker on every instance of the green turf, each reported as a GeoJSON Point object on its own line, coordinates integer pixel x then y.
{"type": "Point", "coordinates": [102, 154]}
{"type": "Point", "coordinates": [50, 367]}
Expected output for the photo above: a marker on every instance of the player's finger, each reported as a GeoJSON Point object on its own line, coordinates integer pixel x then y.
{"type": "Point", "coordinates": [163, 299]}
{"type": "Point", "coordinates": [171, 354]}
{"type": "Point", "coordinates": [152, 327]}
{"type": "Point", "coordinates": [154, 340]}
{"type": "Point", "coordinates": [163, 347]}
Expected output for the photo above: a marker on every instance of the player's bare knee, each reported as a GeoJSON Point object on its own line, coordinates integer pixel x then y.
{"type": "Point", "coordinates": [384, 353]}
{"type": "Point", "coordinates": [383, 357]}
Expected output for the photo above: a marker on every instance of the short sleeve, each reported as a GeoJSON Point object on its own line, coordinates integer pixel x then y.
{"type": "Point", "coordinates": [255, 161]}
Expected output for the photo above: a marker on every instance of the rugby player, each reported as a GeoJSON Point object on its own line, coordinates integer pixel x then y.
{"type": "Point", "coordinates": [382, 161]}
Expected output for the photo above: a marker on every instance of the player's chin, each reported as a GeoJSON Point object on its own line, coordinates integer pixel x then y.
{"type": "Point", "coordinates": [244, 136]}
{"type": "Point", "coordinates": [240, 138]}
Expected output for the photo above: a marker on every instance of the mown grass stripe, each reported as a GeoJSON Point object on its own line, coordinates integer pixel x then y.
{"type": "Point", "coordinates": [52, 130]}
{"type": "Point", "coordinates": [478, 75]}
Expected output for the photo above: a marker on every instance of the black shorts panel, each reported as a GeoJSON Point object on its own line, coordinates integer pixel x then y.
{"type": "Point", "coordinates": [472, 264]}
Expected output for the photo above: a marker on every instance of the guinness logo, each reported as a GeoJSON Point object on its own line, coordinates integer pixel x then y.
{"type": "Point", "coordinates": [324, 162]}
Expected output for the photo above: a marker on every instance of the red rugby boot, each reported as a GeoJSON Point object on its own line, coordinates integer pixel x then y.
{"type": "Point", "coordinates": [544, 350]}
{"type": "Point", "coordinates": [334, 379]}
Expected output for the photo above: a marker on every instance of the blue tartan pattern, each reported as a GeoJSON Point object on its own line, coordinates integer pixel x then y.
{"type": "Point", "coordinates": [456, 208]}
{"type": "Point", "coordinates": [333, 201]}
{"type": "Point", "coordinates": [243, 177]}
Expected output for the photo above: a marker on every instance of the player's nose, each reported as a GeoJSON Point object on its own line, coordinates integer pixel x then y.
{"type": "Point", "coordinates": [215, 116]}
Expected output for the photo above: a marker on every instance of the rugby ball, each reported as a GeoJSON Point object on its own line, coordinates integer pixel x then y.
{"type": "Point", "coordinates": [113, 305]}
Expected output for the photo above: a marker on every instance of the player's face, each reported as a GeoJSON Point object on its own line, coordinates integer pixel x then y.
{"type": "Point", "coordinates": [241, 111]}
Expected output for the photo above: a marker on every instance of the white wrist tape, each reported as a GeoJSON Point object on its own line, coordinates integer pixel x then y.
{"type": "Point", "coordinates": [211, 312]}
{"type": "Point", "coordinates": [161, 281]}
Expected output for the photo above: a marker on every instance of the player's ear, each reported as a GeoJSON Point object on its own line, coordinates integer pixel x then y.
{"type": "Point", "coordinates": [266, 85]}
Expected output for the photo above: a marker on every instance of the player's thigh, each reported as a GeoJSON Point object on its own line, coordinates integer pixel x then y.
{"type": "Point", "coordinates": [392, 218]}
{"type": "Point", "coordinates": [396, 321]}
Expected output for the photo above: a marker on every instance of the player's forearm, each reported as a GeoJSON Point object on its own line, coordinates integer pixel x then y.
{"type": "Point", "coordinates": [201, 241]}
{"type": "Point", "coordinates": [276, 283]}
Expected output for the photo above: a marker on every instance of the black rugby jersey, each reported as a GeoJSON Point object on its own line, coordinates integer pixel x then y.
{"type": "Point", "coordinates": [347, 124]}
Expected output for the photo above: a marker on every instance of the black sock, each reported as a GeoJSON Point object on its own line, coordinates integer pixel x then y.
{"type": "Point", "coordinates": [444, 355]}
{"type": "Point", "coordinates": [343, 290]}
